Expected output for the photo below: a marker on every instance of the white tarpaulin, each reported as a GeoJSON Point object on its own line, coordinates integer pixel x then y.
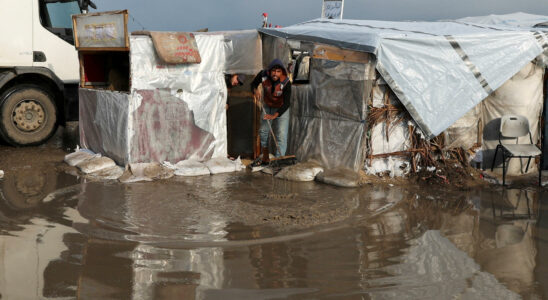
{"type": "Point", "coordinates": [514, 20]}
{"type": "Point", "coordinates": [438, 70]}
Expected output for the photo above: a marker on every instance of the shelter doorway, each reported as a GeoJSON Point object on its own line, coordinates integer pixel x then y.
{"type": "Point", "coordinates": [242, 117]}
{"type": "Point", "coordinates": [545, 124]}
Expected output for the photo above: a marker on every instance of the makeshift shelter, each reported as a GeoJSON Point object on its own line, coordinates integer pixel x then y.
{"type": "Point", "coordinates": [436, 72]}
{"type": "Point", "coordinates": [366, 94]}
{"type": "Point", "coordinates": [157, 96]}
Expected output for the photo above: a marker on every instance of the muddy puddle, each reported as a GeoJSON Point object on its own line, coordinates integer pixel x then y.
{"type": "Point", "coordinates": [249, 236]}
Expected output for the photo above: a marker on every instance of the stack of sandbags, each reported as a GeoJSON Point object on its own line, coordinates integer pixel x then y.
{"type": "Point", "coordinates": [93, 164]}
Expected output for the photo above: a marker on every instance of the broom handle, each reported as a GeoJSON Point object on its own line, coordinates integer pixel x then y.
{"type": "Point", "coordinates": [269, 125]}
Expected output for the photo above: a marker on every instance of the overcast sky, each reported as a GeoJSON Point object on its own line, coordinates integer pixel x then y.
{"type": "Point", "coordinates": [190, 15]}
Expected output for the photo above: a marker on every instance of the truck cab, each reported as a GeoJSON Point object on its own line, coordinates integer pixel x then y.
{"type": "Point", "coordinates": [39, 68]}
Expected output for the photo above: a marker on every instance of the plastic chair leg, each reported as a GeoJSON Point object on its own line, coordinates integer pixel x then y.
{"type": "Point", "coordinates": [495, 157]}
{"type": "Point", "coordinates": [540, 173]}
{"type": "Point", "coordinates": [528, 162]}
{"type": "Point", "coordinates": [504, 169]}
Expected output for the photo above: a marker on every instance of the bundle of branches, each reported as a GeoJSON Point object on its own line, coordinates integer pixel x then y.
{"type": "Point", "coordinates": [424, 149]}
{"type": "Point", "coordinates": [389, 114]}
{"type": "Point", "coordinates": [423, 153]}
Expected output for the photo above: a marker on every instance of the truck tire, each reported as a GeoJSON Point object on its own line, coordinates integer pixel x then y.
{"type": "Point", "coordinates": [28, 115]}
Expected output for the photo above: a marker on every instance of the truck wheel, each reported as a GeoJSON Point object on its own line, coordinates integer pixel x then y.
{"type": "Point", "coordinates": [28, 115]}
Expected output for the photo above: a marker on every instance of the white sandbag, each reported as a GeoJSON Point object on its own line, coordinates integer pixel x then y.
{"type": "Point", "coordinates": [75, 158]}
{"type": "Point", "coordinates": [1, 174]}
{"type": "Point", "coordinates": [300, 172]}
{"type": "Point", "coordinates": [95, 164]}
{"type": "Point", "coordinates": [128, 177]}
{"type": "Point", "coordinates": [151, 170]}
{"type": "Point", "coordinates": [339, 177]}
{"type": "Point", "coordinates": [190, 168]}
{"type": "Point", "coordinates": [224, 165]}
{"type": "Point", "coordinates": [111, 173]}
{"type": "Point", "coordinates": [267, 170]}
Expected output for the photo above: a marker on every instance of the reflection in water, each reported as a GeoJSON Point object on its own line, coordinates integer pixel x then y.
{"type": "Point", "coordinates": [191, 239]}
{"type": "Point", "coordinates": [506, 243]}
{"type": "Point", "coordinates": [35, 234]}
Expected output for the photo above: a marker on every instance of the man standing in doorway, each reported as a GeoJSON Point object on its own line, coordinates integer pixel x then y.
{"type": "Point", "coordinates": [276, 100]}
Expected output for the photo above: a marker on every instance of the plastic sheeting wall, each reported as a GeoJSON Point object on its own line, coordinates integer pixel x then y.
{"type": "Point", "coordinates": [173, 112]}
{"type": "Point", "coordinates": [103, 123]}
{"type": "Point", "coordinates": [328, 115]}
{"type": "Point", "coordinates": [200, 86]}
{"type": "Point", "coordinates": [464, 132]}
{"type": "Point", "coordinates": [243, 51]}
{"type": "Point", "coordinates": [273, 48]}
{"type": "Point", "coordinates": [164, 128]}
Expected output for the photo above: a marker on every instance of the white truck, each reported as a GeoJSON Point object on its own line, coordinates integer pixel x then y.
{"type": "Point", "coordinates": [39, 69]}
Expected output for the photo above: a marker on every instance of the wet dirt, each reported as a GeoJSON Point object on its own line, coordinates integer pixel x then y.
{"type": "Point", "coordinates": [252, 236]}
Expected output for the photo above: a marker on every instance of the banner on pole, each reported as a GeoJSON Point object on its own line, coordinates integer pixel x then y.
{"type": "Point", "coordinates": [332, 9]}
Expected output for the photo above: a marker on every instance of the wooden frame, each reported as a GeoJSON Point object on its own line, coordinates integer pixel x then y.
{"type": "Point", "coordinates": [126, 33]}
{"type": "Point", "coordinates": [334, 53]}
{"type": "Point", "coordinates": [103, 54]}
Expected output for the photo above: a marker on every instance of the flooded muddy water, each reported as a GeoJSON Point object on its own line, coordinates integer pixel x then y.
{"type": "Point", "coordinates": [249, 236]}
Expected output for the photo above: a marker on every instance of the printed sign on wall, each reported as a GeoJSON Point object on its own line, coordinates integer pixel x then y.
{"type": "Point", "coordinates": [332, 9]}
{"type": "Point", "coordinates": [101, 30]}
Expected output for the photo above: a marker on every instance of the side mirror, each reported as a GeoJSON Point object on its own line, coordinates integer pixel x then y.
{"type": "Point", "coordinates": [85, 3]}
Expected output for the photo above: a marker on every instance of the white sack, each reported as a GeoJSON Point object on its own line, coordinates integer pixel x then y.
{"type": "Point", "coordinates": [339, 177]}
{"type": "Point", "coordinates": [300, 172]}
{"type": "Point", "coordinates": [111, 173]}
{"type": "Point", "coordinates": [95, 164]}
{"type": "Point", "coordinates": [150, 170]}
{"type": "Point", "coordinates": [74, 158]}
{"type": "Point", "coordinates": [224, 165]}
{"type": "Point", "coordinates": [190, 168]}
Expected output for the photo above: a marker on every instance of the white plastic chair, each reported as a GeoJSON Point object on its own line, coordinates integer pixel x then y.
{"type": "Point", "coordinates": [514, 127]}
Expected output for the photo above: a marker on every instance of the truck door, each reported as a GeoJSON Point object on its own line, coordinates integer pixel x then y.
{"type": "Point", "coordinates": [16, 33]}
{"type": "Point", "coordinates": [53, 39]}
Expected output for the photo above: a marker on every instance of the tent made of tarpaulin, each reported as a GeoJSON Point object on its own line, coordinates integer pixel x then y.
{"type": "Point", "coordinates": [477, 132]}
{"type": "Point", "coordinates": [171, 112]}
{"type": "Point", "coordinates": [329, 113]}
{"type": "Point", "coordinates": [438, 70]}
